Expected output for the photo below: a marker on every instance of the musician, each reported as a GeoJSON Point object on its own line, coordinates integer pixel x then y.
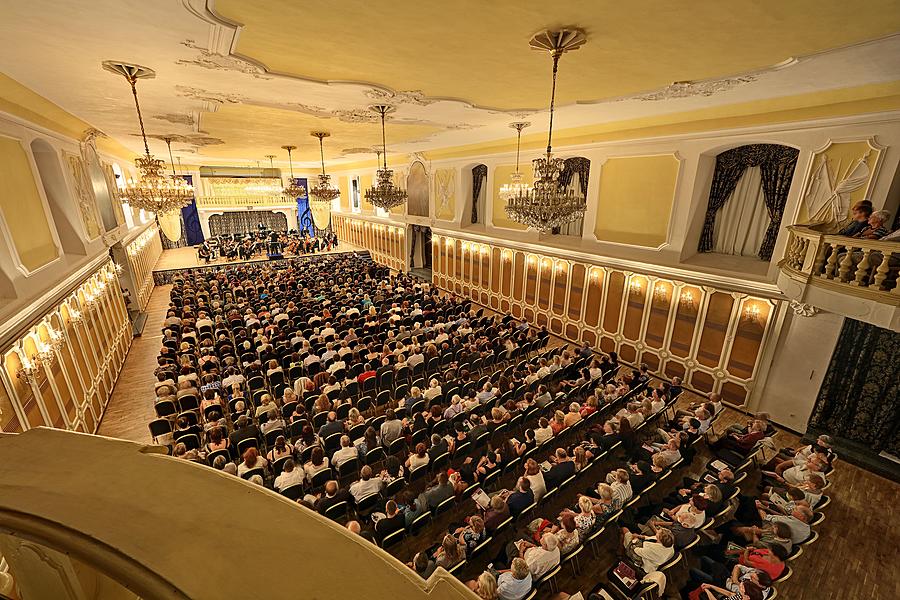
{"type": "Point", "coordinates": [204, 252]}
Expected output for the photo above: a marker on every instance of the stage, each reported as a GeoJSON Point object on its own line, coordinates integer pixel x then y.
{"type": "Point", "coordinates": [186, 258]}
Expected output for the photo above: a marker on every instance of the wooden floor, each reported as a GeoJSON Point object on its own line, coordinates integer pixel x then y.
{"type": "Point", "coordinates": [186, 258]}
{"type": "Point", "coordinates": [856, 557]}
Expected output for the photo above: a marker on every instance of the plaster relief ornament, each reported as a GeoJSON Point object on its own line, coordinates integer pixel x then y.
{"type": "Point", "coordinates": [220, 62]}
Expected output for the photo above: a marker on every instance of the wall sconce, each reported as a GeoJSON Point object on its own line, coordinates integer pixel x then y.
{"type": "Point", "coordinates": [45, 354]}
{"type": "Point", "coordinates": [595, 274]}
{"type": "Point", "coordinates": [686, 300]}
{"type": "Point", "coordinates": [506, 256]}
{"type": "Point", "coordinates": [56, 337]}
{"type": "Point", "coordinates": [751, 312]}
{"type": "Point", "coordinates": [465, 247]}
{"type": "Point", "coordinates": [560, 267]}
{"type": "Point", "coordinates": [484, 249]}
{"type": "Point", "coordinates": [636, 286]}
{"type": "Point", "coordinates": [448, 242]}
{"type": "Point", "coordinates": [659, 293]}
{"type": "Point", "coordinates": [532, 260]}
{"type": "Point", "coordinates": [75, 316]}
{"type": "Point", "coordinates": [27, 368]}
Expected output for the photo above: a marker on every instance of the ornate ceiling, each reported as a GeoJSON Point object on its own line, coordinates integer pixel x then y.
{"type": "Point", "coordinates": [236, 79]}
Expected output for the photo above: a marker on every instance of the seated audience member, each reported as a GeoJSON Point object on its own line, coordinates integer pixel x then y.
{"type": "Point", "coordinates": [496, 513]}
{"type": "Point", "coordinates": [366, 485]}
{"type": "Point", "coordinates": [540, 558]}
{"type": "Point", "coordinates": [649, 552]}
{"type": "Point", "coordinates": [346, 452]}
{"type": "Point", "coordinates": [450, 552]}
{"type": "Point", "coordinates": [280, 450]}
{"type": "Point", "coordinates": [536, 477]}
{"type": "Point", "coordinates": [290, 475]}
{"type": "Point", "coordinates": [317, 462]}
{"type": "Point", "coordinates": [741, 443]}
{"type": "Point", "coordinates": [423, 565]}
{"type": "Point", "coordinates": [515, 583]}
{"type": "Point", "coordinates": [876, 227]}
{"type": "Point", "coordinates": [252, 460]}
{"type": "Point", "coordinates": [472, 534]}
{"type": "Point", "coordinates": [332, 495]}
{"type": "Point", "coordinates": [391, 522]}
{"type": "Point", "coordinates": [438, 492]}
{"type": "Point", "coordinates": [859, 213]}
{"type": "Point", "coordinates": [520, 498]}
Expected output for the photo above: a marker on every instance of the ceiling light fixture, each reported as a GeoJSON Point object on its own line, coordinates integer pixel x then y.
{"type": "Point", "coordinates": [323, 191]}
{"type": "Point", "coordinates": [294, 190]}
{"type": "Point", "coordinates": [154, 191]}
{"type": "Point", "coordinates": [515, 187]}
{"type": "Point", "coordinates": [383, 193]}
{"type": "Point", "coordinates": [548, 204]}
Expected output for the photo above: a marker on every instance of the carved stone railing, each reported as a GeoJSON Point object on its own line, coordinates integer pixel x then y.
{"type": "Point", "coordinates": [259, 201]}
{"type": "Point", "coordinates": [837, 261]}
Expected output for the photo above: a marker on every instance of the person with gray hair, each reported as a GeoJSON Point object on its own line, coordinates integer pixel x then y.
{"type": "Point", "coordinates": [219, 463]}
{"type": "Point", "coordinates": [876, 229]}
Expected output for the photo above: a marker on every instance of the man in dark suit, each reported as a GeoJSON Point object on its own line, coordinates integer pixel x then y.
{"type": "Point", "coordinates": [563, 468]}
{"type": "Point", "coordinates": [333, 495]}
{"type": "Point", "coordinates": [244, 430]}
{"type": "Point", "coordinates": [440, 491]}
{"type": "Point", "coordinates": [331, 426]}
{"type": "Point", "coordinates": [521, 498]}
{"type": "Point", "coordinates": [393, 521]}
{"type": "Point", "coordinates": [478, 428]}
{"type": "Point", "coordinates": [438, 447]}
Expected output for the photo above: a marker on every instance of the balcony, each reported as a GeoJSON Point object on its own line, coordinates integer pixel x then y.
{"type": "Point", "coordinates": [843, 275]}
{"type": "Point", "coordinates": [248, 202]}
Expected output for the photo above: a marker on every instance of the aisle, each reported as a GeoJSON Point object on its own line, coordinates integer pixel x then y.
{"type": "Point", "coordinates": [130, 408]}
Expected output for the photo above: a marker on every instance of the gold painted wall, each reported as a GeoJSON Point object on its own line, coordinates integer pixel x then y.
{"type": "Point", "coordinates": [636, 198]}
{"type": "Point", "coordinates": [87, 336]}
{"type": "Point", "coordinates": [501, 176]}
{"type": "Point", "coordinates": [710, 337]}
{"type": "Point", "coordinates": [365, 182]}
{"type": "Point", "coordinates": [143, 252]}
{"type": "Point", "coordinates": [23, 209]}
{"type": "Point", "coordinates": [386, 243]}
{"type": "Point", "coordinates": [344, 187]}
{"type": "Point", "coordinates": [445, 193]}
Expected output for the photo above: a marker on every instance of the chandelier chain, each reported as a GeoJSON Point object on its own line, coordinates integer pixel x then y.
{"type": "Point", "coordinates": [171, 160]}
{"type": "Point", "coordinates": [556, 56]}
{"type": "Point", "coordinates": [133, 81]}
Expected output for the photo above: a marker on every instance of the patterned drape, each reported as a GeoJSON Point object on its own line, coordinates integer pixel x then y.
{"type": "Point", "coordinates": [730, 165]}
{"type": "Point", "coordinates": [776, 178]}
{"type": "Point", "coordinates": [576, 164]}
{"type": "Point", "coordinates": [246, 221]}
{"type": "Point", "coordinates": [479, 177]}
{"type": "Point", "coordinates": [860, 396]}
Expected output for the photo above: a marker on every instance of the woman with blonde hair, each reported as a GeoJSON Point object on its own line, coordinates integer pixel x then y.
{"type": "Point", "coordinates": [485, 586]}
{"type": "Point", "coordinates": [472, 534]}
{"type": "Point", "coordinates": [450, 553]}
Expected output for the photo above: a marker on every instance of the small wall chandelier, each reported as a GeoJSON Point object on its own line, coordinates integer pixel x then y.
{"type": "Point", "coordinates": [323, 191]}
{"type": "Point", "coordinates": [548, 204]}
{"type": "Point", "coordinates": [515, 187]}
{"type": "Point", "coordinates": [383, 193]}
{"type": "Point", "coordinates": [154, 191]}
{"type": "Point", "coordinates": [293, 190]}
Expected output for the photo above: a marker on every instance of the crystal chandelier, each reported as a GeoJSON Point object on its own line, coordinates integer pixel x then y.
{"type": "Point", "coordinates": [515, 187]}
{"type": "Point", "coordinates": [549, 204]}
{"type": "Point", "coordinates": [153, 191]}
{"type": "Point", "coordinates": [383, 194]}
{"type": "Point", "coordinates": [323, 191]}
{"type": "Point", "coordinates": [294, 190]}
{"type": "Point", "coordinates": [266, 189]}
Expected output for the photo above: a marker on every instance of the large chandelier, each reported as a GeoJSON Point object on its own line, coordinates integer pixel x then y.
{"type": "Point", "coordinates": [266, 189]}
{"type": "Point", "coordinates": [154, 191]}
{"type": "Point", "coordinates": [383, 193]}
{"type": "Point", "coordinates": [323, 191]}
{"type": "Point", "coordinates": [549, 204]}
{"type": "Point", "coordinates": [293, 190]}
{"type": "Point", "coordinates": [515, 187]}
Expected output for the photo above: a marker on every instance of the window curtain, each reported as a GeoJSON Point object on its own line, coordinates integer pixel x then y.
{"type": "Point", "coordinates": [479, 177]}
{"type": "Point", "coordinates": [776, 183]}
{"type": "Point", "coordinates": [860, 395]}
{"type": "Point", "coordinates": [776, 169]}
{"type": "Point", "coordinates": [742, 223]}
{"type": "Point", "coordinates": [575, 174]}
{"type": "Point", "coordinates": [243, 222]}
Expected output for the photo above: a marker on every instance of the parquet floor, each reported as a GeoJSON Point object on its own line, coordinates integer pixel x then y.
{"type": "Point", "coordinates": [856, 557]}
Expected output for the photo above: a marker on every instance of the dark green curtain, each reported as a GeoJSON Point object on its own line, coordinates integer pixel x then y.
{"type": "Point", "coordinates": [859, 397]}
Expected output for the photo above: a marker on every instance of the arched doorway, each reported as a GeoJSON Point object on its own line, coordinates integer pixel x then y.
{"type": "Point", "coordinates": [420, 251]}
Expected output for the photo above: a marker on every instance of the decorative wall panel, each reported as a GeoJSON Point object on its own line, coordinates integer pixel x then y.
{"type": "Point", "coordinates": [712, 338]}
{"type": "Point", "coordinates": [87, 336]}
{"type": "Point", "coordinates": [386, 243]}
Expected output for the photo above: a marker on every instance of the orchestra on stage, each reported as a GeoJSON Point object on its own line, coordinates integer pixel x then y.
{"type": "Point", "coordinates": [265, 243]}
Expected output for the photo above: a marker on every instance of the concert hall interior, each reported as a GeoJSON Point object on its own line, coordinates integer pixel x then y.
{"type": "Point", "coordinates": [449, 300]}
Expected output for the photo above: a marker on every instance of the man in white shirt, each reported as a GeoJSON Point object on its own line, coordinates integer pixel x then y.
{"type": "Point", "coordinates": [329, 351]}
{"type": "Point", "coordinates": [366, 485]}
{"type": "Point", "coordinates": [328, 330]}
{"type": "Point", "coordinates": [204, 321]}
{"type": "Point", "coordinates": [654, 551]}
{"type": "Point", "coordinates": [345, 453]}
{"type": "Point", "coordinates": [289, 476]}
{"type": "Point", "coordinates": [486, 394]}
{"type": "Point", "coordinates": [540, 559]}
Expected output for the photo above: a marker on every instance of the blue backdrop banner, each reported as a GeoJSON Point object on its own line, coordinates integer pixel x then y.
{"type": "Point", "coordinates": [193, 233]}
{"type": "Point", "coordinates": [304, 215]}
